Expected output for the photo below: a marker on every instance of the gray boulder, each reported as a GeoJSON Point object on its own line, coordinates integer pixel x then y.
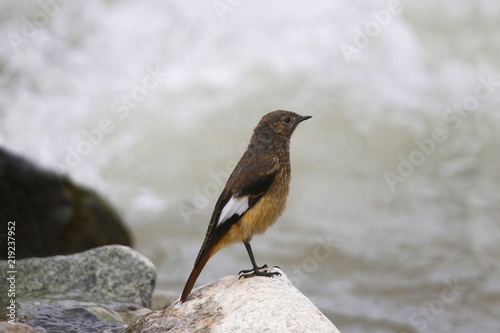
{"type": "Point", "coordinates": [103, 288]}
{"type": "Point", "coordinates": [109, 273]}
{"type": "Point", "coordinates": [257, 304]}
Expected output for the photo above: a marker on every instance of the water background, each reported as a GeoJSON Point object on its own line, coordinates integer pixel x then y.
{"type": "Point", "coordinates": [393, 215]}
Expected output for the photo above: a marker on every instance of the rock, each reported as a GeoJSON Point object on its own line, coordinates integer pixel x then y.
{"type": "Point", "coordinates": [5, 327]}
{"type": "Point", "coordinates": [53, 215]}
{"type": "Point", "coordinates": [255, 304]}
{"type": "Point", "coordinates": [78, 316]}
{"type": "Point", "coordinates": [100, 289]}
{"type": "Point", "coordinates": [110, 273]}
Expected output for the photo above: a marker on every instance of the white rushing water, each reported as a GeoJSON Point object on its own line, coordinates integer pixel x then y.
{"type": "Point", "coordinates": [393, 217]}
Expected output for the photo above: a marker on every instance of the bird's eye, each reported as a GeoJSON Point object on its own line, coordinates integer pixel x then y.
{"type": "Point", "coordinates": [287, 120]}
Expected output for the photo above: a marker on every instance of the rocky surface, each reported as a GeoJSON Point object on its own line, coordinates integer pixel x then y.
{"type": "Point", "coordinates": [52, 214]}
{"type": "Point", "coordinates": [257, 304]}
{"type": "Point", "coordinates": [99, 289]}
{"type": "Point", "coordinates": [49, 315]}
{"type": "Point", "coordinates": [5, 327]}
{"type": "Point", "coordinates": [109, 289]}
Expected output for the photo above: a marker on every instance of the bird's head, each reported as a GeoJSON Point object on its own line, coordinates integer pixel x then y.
{"type": "Point", "coordinates": [281, 122]}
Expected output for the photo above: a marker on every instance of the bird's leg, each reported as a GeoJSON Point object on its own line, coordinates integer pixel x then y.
{"type": "Point", "coordinates": [256, 269]}
{"type": "Point", "coordinates": [254, 264]}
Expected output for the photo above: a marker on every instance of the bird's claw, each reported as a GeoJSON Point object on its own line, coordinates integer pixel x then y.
{"type": "Point", "coordinates": [251, 270]}
{"type": "Point", "coordinates": [256, 272]}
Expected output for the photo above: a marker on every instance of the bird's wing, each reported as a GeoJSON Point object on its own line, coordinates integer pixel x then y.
{"type": "Point", "coordinates": [247, 184]}
{"type": "Point", "coordinates": [249, 181]}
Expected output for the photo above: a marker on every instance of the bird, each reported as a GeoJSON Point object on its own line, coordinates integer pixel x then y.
{"type": "Point", "coordinates": [254, 195]}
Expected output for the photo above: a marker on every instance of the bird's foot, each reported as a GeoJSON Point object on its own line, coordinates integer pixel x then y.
{"type": "Point", "coordinates": [257, 272]}
{"type": "Point", "coordinates": [252, 270]}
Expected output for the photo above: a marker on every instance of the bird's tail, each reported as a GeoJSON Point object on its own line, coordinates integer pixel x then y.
{"type": "Point", "coordinates": [210, 246]}
{"type": "Point", "coordinates": [214, 241]}
{"type": "Point", "coordinates": [198, 267]}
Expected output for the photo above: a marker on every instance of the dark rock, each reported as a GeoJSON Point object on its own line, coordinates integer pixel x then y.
{"type": "Point", "coordinates": [49, 315]}
{"type": "Point", "coordinates": [52, 215]}
{"type": "Point", "coordinates": [17, 327]}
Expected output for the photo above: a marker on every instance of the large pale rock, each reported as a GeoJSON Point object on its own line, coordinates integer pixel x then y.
{"type": "Point", "coordinates": [257, 304]}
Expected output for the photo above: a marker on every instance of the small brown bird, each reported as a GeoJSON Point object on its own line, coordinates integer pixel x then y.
{"type": "Point", "coordinates": [255, 193]}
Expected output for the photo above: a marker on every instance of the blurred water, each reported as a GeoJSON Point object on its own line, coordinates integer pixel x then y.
{"type": "Point", "coordinates": [392, 221]}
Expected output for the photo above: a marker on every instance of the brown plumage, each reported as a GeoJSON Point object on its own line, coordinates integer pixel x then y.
{"type": "Point", "coordinates": [255, 193]}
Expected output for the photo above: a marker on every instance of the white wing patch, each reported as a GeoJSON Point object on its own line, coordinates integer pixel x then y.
{"type": "Point", "coordinates": [233, 206]}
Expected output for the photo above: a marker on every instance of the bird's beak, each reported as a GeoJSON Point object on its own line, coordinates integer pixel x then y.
{"type": "Point", "coordinates": [304, 118]}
